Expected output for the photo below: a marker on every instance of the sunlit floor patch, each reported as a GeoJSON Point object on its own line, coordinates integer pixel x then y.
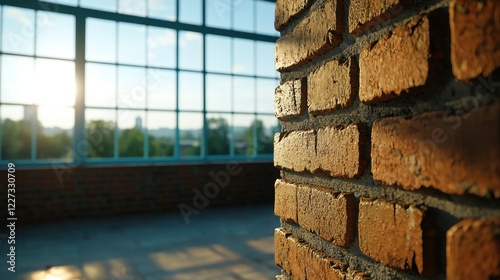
{"type": "Point", "coordinates": [264, 245]}
{"type": "Point", "coordinates": [230, 243]}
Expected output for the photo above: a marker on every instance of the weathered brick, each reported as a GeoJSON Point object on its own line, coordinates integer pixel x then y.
{"type": "Point", "coordinates": [395, 63]}
{"type": "Point", "coordinates": [455, 154]}
{"type": "Point", "coordinates": [287, 10]}
{"type": "Point", "coordinates": [285, 201]}
{"type": "Point", "coordinates": [283, 277]}
{"type": "Point", "coordinates": [393, 234]}
{"type": "Point", "coordinates": [282, 256]}
{"type": "Point", "coordinates": [290, 99]}
{"type": "Point", "coordinates": [330, 214]}
{"type": "Point", "coordinates": [473, 250]}
{"type": "Point", "coordinates": [302, 261]}
{"type": "Point", "coordinates": [339, 151]}
{"type": "Point", "coordinates": [295, 150]}
{"type": "Point", "coordinates": [319, 32]}
{"type": "Point", "coordinates": [475, 44]}
{"type": "Point", "coordinates": [331, 150]}
{"type": "Point", "coordinates": [365, 14]}
{"type": "Point", "coordinates": [333, 85]}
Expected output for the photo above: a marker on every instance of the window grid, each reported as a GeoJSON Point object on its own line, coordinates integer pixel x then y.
{"type": "Point", "coordinates": [80, 106]}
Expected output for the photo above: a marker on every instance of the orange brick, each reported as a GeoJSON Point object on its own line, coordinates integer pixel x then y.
{"type": "Point", "coordinates": [330, 214]}
{"type": "Point", "coordinates": [331, 150]}
{"type": "Point", "coordinates": [475, 43]}
{"type": "Point", "coordinates": [393, 234]}
{"type": "Point", "coordinates": [302, 261]}
{"type": "Point", "coordinates": [285, 201]}
{"type": "Point", "coordinates": [473, 250]}
{"type": "Point", "coordinates": [290, 99]}
{"type": "Point", "coordinates": [339, 151]}
{"type": "Point", "coordinates": [287, 10]}
{"type": "Point", "coordinates": [289, 253]}
{"type": "Point", "coordinates": [332, 86]}
{"type": "Point", "coordinates": [319, 32]}
{"type": "Point", "coordinates": [295, 150]}
{"type": "Point", "coordinates": [281, 251]}
{"type": "Point", "coordinates": [365, 14]}
{"type": "Point", "coordinates": [396, 63]}
{"type": "Point", "coordinates": [451, 153]}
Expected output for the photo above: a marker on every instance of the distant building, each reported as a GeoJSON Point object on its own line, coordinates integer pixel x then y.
{"type": "Point", "coordinates": [29, 112]}
{"type": "Point", "coordinates": [138, 123]}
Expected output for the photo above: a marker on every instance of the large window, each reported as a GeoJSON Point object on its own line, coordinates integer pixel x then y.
{"type": "Point", "coordinates": [136, 80]}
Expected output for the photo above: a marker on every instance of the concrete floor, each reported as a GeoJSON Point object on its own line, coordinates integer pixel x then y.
{"type": "Point", "coordinates": [218, 244]}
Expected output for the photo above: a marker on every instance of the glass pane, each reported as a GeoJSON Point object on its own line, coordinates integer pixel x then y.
{"type": "Point", "coordinates": [162, 9]}
{"type": "Point", "coordinates": [265, 63]}
{"type": "Point", "coordinates": [108, 5]}
{"type": "Point", "coordinates": [63, 2]}
{"type": "Point", "coordinates": [18, 82]}
{"type": "Point", "coordinates": [132, 7]}
{"type": "Point", "coordinates": [16, 131]}
{"type": "Point", "coordinates": [218, 13]}
{"type": "Point", "coordinates": [218, 54]}
{"type": "Point", "coordinates": [131, 141]}
{"type": "Point", "coordinates": [265, 95]}
{"type": "Point", "coordinates": [190, 11]}
{"type": "Point", "coordinates": [161, 133]}
{"type": "Point", "coordinates": [55, 35]}
{"type": "Point", "coordinates": [100, 129]}
{"type": "Point", "coordinates": [131, 43]}
{"type": "Point", "coordinates": [190, 50]}
{"type": "Point", "coordinates": [55, 82]}
{"type": "Point", "coordinates": [161, 89]}
{"type": "Point", "coordinates": [100, 85]}
{"type": "Point", "coordinates": [244, 94]}
{"type": "Point", "coordinates": [190, 133]}
{"type": "Point", "coordinates": [190, 91]}
{"type": "Point", "coordinates": [243, 56]}
{"type": "Point", "coordinates": [267, 126]}
{"type": "Point", "coordinates": [55, 133]}
{"type": "Point", "coordinates": [161, 47]}
{"type": "Point", "coordinates": [265, 18]}
{"type": "Point", "coordinates": [243, 134]}
{"type": "Point", "coordinates": [18, 31]}
{"type": "Point", "coordinates": [218, 134]}
{"type": "Point", "coordinates": [218, 93]}
{"type": "Point", "coordinates": [244, 15]}
{"type": "Point", "coordinates": [101, 40]}
{"type": "Point", "coordinates": [131, 87]}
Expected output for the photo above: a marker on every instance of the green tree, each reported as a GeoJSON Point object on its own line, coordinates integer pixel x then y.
{"type": "Point", "coordinates": [131, 142]}
{"type": "Point", "coordinates": [55, 146]}
{"type": "Point", "coordinates": [100, 138]}
{"type": "Point", "coordinates": [264, 138]}
{"type": "Point", "coordinates": [16, 139]}
{"type": "Point", "coordinates": [190, 143]}
{"type": "Point", "coordinates": [218, 136]}
{"type": "Point", "coordinates": [160, 146]}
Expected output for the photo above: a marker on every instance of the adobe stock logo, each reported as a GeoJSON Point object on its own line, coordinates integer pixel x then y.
{"type": "Point", "coordinates": [211, 189]}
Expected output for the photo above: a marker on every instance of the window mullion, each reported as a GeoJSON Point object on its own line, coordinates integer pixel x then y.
{"type": "Point", "coordinates": [79, 134]}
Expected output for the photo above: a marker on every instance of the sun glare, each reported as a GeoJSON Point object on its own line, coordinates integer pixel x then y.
{"type": "Point", "coordinates": [54, 83]}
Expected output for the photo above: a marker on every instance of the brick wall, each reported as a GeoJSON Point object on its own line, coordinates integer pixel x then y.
{"type": "Point", "coordinates": [106, 191]}
{"type": "Point", "coordinates": [390, 145]}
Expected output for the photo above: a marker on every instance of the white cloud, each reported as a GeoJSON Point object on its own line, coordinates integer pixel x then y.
{"type": "Point", "coordinates": [133, 7]}
{"type": "Point", "coordinates": [189, 37]}
{"type": "Point", "coordinates": [166, 38]}
{"type": "Point", "coordinates": [238, 68]}
{"type": "Point", "coordinates": [18, 15]}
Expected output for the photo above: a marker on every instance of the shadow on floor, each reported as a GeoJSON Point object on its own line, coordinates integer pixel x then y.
{"type": "Point", "coordinates": [222, 244]}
